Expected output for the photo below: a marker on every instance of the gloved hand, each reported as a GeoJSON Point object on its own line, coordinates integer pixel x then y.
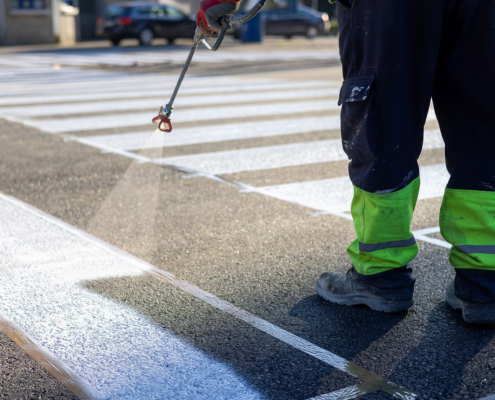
{"type": "Point", "coordinates": [211, 12]}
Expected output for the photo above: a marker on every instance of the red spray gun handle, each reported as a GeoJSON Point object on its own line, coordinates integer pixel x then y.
{"type": "Point", "coordinates": [163, 120]}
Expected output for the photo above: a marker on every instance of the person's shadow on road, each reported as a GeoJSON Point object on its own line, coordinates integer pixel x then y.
{"type": "Point", "coordinates": [453, 359]}
{"type": "Point", "coordinates": [344, 331]}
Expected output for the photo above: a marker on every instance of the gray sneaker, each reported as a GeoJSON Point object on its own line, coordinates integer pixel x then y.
{"type": "Point", "coordinates": [473, 313]}
{"type": "Point", "coordinates": [350, 291]}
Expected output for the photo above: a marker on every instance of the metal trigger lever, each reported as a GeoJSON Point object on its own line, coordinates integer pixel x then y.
{"type": "Point", "coordinates": [163, 119]}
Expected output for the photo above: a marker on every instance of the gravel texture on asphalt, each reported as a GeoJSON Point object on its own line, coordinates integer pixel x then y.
{"type": "Point", "coordinates": [21, 377]}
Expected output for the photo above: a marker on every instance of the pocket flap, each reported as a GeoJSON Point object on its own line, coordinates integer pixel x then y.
{"type": "Point", "coordinates": [356, 89]}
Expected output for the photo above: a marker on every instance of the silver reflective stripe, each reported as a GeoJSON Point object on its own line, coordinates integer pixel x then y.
{"type": "Point", "coordinates": [471, 248]}
{"type": "Point", "coordinates": [368, 248]}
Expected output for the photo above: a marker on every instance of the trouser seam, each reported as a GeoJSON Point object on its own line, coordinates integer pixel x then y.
{"type": "Point", "coordinates": [353, 45]}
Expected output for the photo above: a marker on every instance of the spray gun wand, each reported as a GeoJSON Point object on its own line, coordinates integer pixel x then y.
{"type": "Point", "coordinates": [163, 119]}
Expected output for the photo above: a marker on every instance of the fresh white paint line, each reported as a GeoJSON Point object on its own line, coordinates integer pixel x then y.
{"type": "Point", "coordinates": [216, 133]}
{"type": "Point", "coordinates": [206, 56]}
{"type": "Point", "coordinates": [118, 351]}
{"type": "Point", "coordinates": [437, 242]}
{"type": "Point", "coordinates": [70, 86]}
{"type": "Point", "coordinates": [433, 139]}
{"type": "Point", "coordinates": [238, 131]}
{"type": "Point", "coordinates": [122, 82]}
{"type": "Point", "coordinates": [57, 83]}
{"type": "Point", "coordinates": [59, 86]}
{"type": "Point", "coordinates": [107, 87]}
{"type": "Point", "coordinates": [49, 78]}
{"type": "Point", "coordinates": [155, 103]}
{"type": "Point", "coordinates": [428, 231]}
{"type": "Point", "coordinates": [348, 393]}
{"type": "Point", "coordinates": [137, 91]}
{"type": "Point", "coordinates": [143, 159]}
{"type": "Point", "coordinates": [319, 213]}
{"type": "Point", "coordinates": [10, 62]}
{"type": "Point", "coordinates": [422, 235]}
{"type": "Point", "coordinates": [43, 59]}
{"type": "Point", "coordinates": [491, 397]}
{"type": "Point", "coordinates": [78, 59]}
{"type": "Point", "coordinates": [261, 158]}
{"type": "Point", "coordinates": [58, 125]}
{"type": "Point", "coordinates": [118, 83]}
{"type": "Point", "coordinates": [271, 157]}
{"type": "Point", "coordinates": [431, 115]}
{"type": "Point", "coordinates": [331, 195]}
{"type": "Point", "coordinates": [48, 73]}
{"type": "Point", "coordinates": [71, 80]}
{"type": "Point", "coordinates": [72, 381]}
{"type": "Point", "coordinates": [434, 179]}
{"type": "Point", "coordinates": [335, 195]}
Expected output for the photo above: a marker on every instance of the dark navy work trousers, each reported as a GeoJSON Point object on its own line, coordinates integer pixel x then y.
{"type": "Point", "coordinates": [397, 56]}
{"type": "Point", "coordinates": [417, 50]}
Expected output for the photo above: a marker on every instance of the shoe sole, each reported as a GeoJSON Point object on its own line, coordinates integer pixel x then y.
{"type": "Point", "coordinates": [479, 314]}
{"type": "Point", "coordinates": [378, 304]}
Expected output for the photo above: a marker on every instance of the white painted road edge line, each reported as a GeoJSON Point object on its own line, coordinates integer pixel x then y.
{"type": "Point", "coordinates": [347, 393]}
{"type": "Point", "coordinates": [434, 241]}
{"type": "Point", "coordinates": [422, 235]}
{"type": "Point", "coordinates": [62, 372]}
{"type": "Point", "coordinates": [490, 397]}
{"type": "Point", "coordinates": [309, 348]}
{"type": "Point", "coordinates": [428, 231]}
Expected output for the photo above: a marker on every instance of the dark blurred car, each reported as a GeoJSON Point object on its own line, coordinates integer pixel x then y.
{"type": "Point", "coordinates": [144, 21]}
{"type": "Point", "coordinates": [305, 21]}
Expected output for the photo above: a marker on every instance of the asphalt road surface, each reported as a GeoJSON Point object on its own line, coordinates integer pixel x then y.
{"type": "Point", "coordinates": [142, 265]}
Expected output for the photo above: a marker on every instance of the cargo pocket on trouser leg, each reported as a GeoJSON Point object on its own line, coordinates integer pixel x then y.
{"type": "Point", "coordinates": [467, 222]}
{"type": "Point", "coordinates": [382, 222]}
{"type": "Point", "coordinates": [360, 126]}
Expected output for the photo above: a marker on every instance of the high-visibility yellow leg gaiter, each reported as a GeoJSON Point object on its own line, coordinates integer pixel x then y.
{"type": "Point", "coordinates": [382, 222]}
{"type": "Point", "coordinates": [467, 221]}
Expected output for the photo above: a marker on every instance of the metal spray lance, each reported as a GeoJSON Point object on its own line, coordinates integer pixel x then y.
{"type": "Point", "coordinates": [165, 113]}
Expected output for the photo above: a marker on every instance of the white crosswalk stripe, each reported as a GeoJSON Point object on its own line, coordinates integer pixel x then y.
{"type": "Point", "coordinates": [261, 158]}
{"type": "Point", "coordinates": [57, 125]}
{"type": "Point", "coordinates": [335, 195]}
{"type": "Point", "coordinates": [139, 90]}
{"type": "Point", "coordinates": [170, 56]}
{"type": "Point", "coordinates": [270, 157]}
{"type": "Point", "coordinates": [116, 82]}
{"type": "Point", "coordinates": [137, 104]}
{"type": "Point", "coordinates": [215, 133]}
{"type": "Point", "coordinates": [324, 195]}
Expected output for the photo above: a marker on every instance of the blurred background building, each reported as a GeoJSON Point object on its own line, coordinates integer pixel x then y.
{"type": "Point", "coordinates": [68, 21]}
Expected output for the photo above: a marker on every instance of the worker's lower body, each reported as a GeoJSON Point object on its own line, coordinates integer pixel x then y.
{"type": "Point", "coordinates": [397, 55]}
